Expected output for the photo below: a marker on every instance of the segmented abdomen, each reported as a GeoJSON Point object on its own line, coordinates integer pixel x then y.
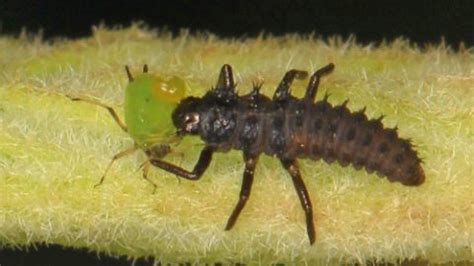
{"type": "Point", "coordinates": [321, 131]}
{"type": "Point", "coordinates": [299, 129]}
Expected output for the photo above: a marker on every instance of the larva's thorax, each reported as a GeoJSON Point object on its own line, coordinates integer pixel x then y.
{"type": "Point", "coordinates": [218, 126]}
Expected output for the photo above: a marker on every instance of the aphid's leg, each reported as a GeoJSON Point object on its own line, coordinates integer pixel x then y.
{"type": "Point", "coordinates": [116, 157]}
{"type": "Point", "coordinates": [146, 169]}
{"type": "Point", "coordinates": [110, 109]}
{"type": "Point", "coordinates": [156, 151]}
{"type": "Point", "coordinates": [292, 167]}
{"type": "Point", "coordinates": [314, 81]}
{"type": "Point", "coordinates": [203, 162]}
{"type": "Point", "coordinates": [226, 78]}
{"type": "Point", "coordinates": [283, 89]}
{"type": "Point", "coordinates": [250, 163]}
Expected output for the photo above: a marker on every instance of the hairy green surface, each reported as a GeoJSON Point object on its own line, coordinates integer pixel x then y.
{"type": "Point", "coordinates": [52, 152]}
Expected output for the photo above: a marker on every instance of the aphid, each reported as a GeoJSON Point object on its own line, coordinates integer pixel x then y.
{"type": "Point", "coordinates": [149, 102]}
{"type": "Point", "coordinates": [289, 128]}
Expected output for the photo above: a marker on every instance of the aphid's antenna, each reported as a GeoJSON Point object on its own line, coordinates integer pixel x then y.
{"type": "Point", "coordinates": [129, 75]}
{"type": "Point", "coordinates": [145, 68]}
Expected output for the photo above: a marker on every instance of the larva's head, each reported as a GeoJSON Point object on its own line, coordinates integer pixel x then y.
{"type": "Point", "coordinates": [186, 117]}
{"type": "Point", "coordinates": [149, 103]}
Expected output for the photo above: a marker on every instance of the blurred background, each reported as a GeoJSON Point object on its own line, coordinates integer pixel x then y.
{"type": "Point", "coordinates": [421, 22]}
{"type": "Point", "coordinates": [370, 21]}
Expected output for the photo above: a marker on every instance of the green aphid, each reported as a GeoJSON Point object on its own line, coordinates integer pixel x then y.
{"type": "Point", "coordinates": [149, 102]}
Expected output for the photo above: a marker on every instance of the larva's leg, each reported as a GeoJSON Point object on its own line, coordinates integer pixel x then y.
{"type": "Point", "coordinates": [292, 167]}
{"type": "Point", "coordinates": [115, 158]}
{"type": "Point", "coordinates": [314, 81]}
{"type": "Point", "coordinates": [247, 181]}
{"type": "Point", "coordinates": [110, 109]}
{"type": "Point", "coordinates": [226, 78]}
{"type": "Point", "coordinates": [156, 151]}
{"type": "Point", "coordinates": [283, 90]}
{"type": "Point", "coordinates": [203, 162]}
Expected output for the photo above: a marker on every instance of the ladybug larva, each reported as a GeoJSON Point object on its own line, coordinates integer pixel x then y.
{"type": "Point", "coordinates": [289, 128]}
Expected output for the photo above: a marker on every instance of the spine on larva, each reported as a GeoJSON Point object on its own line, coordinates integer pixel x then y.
{"type": "Point", "coordinates": [321, 131]}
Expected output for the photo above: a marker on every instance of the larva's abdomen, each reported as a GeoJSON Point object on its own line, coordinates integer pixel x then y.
{"type": "Point", "coordinates": [321, 131]}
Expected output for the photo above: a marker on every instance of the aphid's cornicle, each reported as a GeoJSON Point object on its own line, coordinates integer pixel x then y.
{"type": "Point", "coordinates": [289, 128]}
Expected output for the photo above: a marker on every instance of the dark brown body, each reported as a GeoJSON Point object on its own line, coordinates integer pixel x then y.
{"type": "Point", "coordinates": [290, 128]}
{"type": "Point", "coordinates": [302, 129]}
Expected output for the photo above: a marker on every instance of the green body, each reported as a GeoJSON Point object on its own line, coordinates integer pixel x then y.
{"type": "Point", "coordinates": [149, 102]}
